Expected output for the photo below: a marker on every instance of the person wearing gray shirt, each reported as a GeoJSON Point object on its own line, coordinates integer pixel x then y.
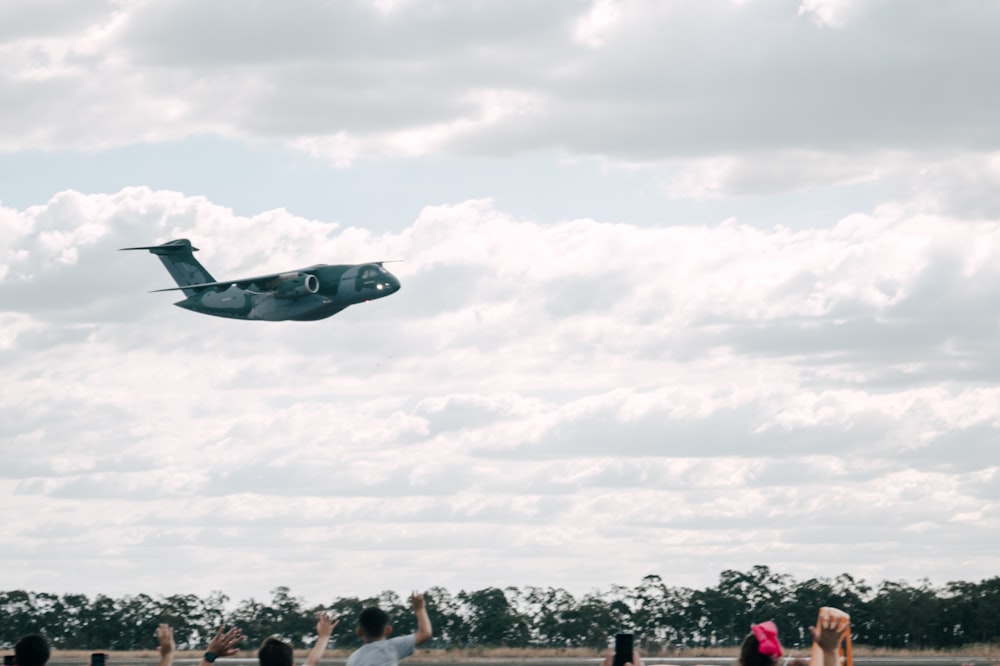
{"type": "Point", "coordinates": [374, 629]}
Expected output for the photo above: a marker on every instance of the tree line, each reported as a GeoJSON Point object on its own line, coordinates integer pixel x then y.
{"type": "Point", "coordinates": [893, 614]}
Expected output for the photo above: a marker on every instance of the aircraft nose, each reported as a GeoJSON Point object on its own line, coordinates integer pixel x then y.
{"type": "Point", "coordinates": [387, 284]}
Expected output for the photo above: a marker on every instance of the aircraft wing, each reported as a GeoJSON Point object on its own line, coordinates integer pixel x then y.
{"type": "Point", "coordinates": [242, 283]}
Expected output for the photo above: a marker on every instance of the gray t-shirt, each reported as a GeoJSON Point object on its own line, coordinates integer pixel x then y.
{"type": "Point", "coordinates": [386, 652]}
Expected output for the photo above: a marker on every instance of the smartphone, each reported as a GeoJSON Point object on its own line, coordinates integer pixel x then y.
{"type": "Point", "coordinates": [623, 649]}
{"type": "Point", "coordinates": [98, 659]}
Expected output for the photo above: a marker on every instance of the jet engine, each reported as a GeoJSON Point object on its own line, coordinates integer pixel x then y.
{"type": "Point", "coordinates": [294, 285]}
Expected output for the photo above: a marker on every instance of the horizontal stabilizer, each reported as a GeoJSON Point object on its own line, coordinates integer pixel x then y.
{"type": "Point", "coordinates": [177, 257]}
{"type": "Point", "coordinates": [170, 247]}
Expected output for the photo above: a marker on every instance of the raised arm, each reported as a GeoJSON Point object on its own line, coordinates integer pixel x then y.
{"type": "Point", "coordinates": [324, 629]}
{"type": "Point", "coordinates": [225, 643]}
{"type": "Point", "coordinates": [424, 630]}
{"type": "Point", "coordinates": [827, 634]}
{"type": "Point", "coordinates": [165, 634]}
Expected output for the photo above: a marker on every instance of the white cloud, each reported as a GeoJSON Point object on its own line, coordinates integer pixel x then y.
{"type": "Point", "coordinates": [591, 28]}
{"type": "Point", "coordinates": [726, 176]}
{"type": "Point", "coordinates": [830, 13]}
{"type": "Point", "coordinates": [418, 78]}
{"type": "Point", "coordinates": [339, 149]}
{"type": "Point", "coordinates": [962, 184]}
{"type": "Point", "coordinates": [569, 403]}
{"type": "Point", "coordinates": [489, 108]}
{"type": "Point", "coordinates": [728, 376]}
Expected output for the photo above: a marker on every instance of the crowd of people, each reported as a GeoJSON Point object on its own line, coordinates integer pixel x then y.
{"type": "Point", "coordinates": [761, 647]}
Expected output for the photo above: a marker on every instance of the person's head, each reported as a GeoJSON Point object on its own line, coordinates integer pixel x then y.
{"type": "Point", "coordinates": [761, 646]}
{"type": "Point", "coordinates": [31, 650]}
{"type": "Point", "coordinates": [275, 652]}
{"type": "Point", "coordinates": [373, 624]}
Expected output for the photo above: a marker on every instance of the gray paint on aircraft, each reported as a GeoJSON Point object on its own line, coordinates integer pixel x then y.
{"type": "Point", "coordinates": [306, 294]}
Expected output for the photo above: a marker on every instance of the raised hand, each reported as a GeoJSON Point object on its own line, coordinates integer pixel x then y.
{"type": "Point", "coordinates": [226, 643]}
{"type": "Point", "coordinates": [325, 625]}
{"type": "Point", "coordinates": [165, 634]}
{"type": "Point", "coordinates": [828, 632]}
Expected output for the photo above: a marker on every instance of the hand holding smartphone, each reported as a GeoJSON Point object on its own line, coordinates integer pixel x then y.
{"type": "Point", "coordinates": [623, 649]}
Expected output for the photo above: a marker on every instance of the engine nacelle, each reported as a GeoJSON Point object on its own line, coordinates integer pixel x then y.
{"type": "Point", "coordinates": [294, 285]}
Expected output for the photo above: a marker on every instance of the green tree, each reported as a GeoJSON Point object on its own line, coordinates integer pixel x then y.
{"type": "Point", "coordinates": [445, 613]}
{"type": "Point", "coordinates": [19, 615]}
{"type": "Point", "coordinates": [137, 618]}
{"type": "Point", "coordinates": [186, 613]}
{"type": "Point", "coordinates": [660, 614]}
{"type": "Point", "coordinates": [546, 610]}
{"type": "Point", "coordinates": [98, 624]}
{"type": "Point", "coordinates": [284, 616]}
{"type": "Point", "coordinates": [594, 620]}
{"type": "Point", "coordinates": [906, 616]}
{"type": "Point", "coordinates": [492, 620]}
{"type": "Point", "coordinates": [51, 614]}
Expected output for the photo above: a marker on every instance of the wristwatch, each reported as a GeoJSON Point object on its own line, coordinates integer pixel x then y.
{"type": "Point", "coordinates": [209, 657]}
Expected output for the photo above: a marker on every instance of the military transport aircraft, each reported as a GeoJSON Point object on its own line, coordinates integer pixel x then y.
{"type": "Point", "coordinates": [305, 294]}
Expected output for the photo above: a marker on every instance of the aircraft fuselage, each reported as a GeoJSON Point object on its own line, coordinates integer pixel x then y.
{"type": "Point", "coordinates": [307, 294]}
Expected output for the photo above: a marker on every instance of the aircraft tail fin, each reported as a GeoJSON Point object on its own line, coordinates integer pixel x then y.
{"type": "Point", "coordinates": [178, 258]}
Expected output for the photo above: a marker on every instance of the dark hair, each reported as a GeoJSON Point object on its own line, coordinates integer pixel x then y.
{"type": "Point", "coordinates": [31, 650]}
{"type": "Point", "coordinates": [373, 622]}
{"type": "Point", "coordinates": [275, 652]}
{"type": "Point", "coordinates": [750, 653]}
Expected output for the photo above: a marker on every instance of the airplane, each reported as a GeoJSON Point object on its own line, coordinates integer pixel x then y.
{"type": "Point", "coordinates": [306, 294]}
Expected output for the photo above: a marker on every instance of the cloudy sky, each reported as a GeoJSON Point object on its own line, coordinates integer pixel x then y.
{"type": "Point", "coordinates": [687, 286]}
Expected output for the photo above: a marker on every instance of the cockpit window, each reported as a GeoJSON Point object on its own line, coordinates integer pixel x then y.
{"type": "Point", "coordinates": [370, 272]}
